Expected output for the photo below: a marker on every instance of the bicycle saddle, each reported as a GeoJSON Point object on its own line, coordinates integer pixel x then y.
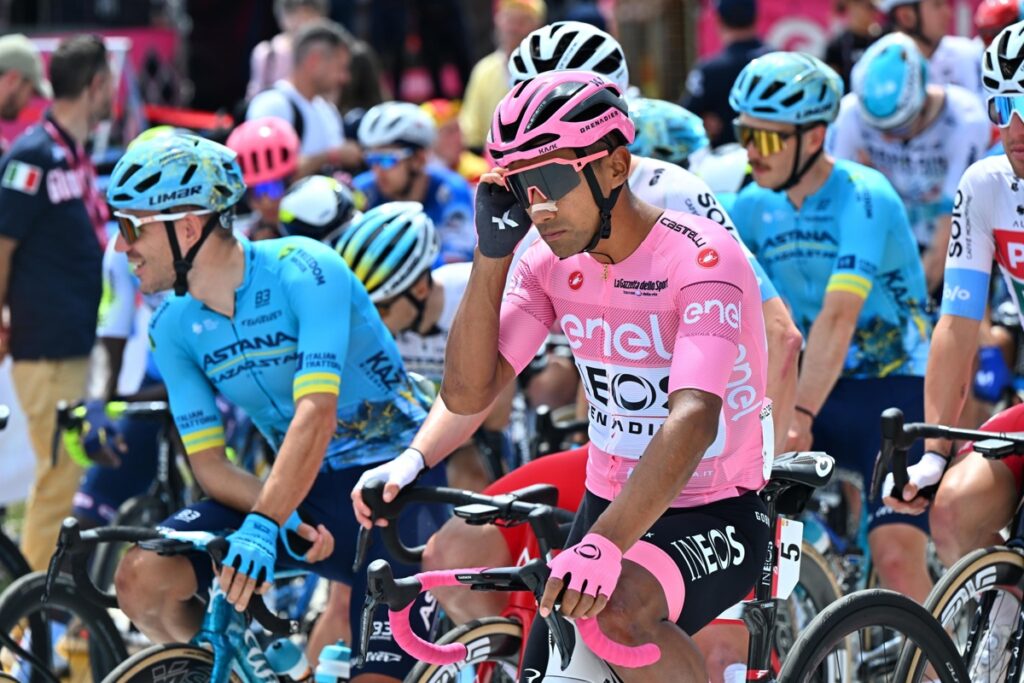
{"type": "Point", "coordinates": [809, 468]}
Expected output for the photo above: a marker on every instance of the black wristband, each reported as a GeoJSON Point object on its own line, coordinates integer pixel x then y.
{"type": "Point", "coordinates": [805, 411]}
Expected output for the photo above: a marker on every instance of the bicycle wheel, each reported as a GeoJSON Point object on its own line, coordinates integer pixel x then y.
{"type": "Point", "coordinates": [981, 584]}
{"type": "Point", "coordinates": [80, 633]}
{"type": "Point", "coordinates": [820, 654]}
{"type": "Point", "coordinates": [12, 562]}
{"type": "Point", "coordinates": [161, 663]}
{"type": "Point", "coordinates": [141, 511]}
{"type": "Point", "coordinates": [816, 590]}
{"type": "Point", "coordinates": [493, 645]}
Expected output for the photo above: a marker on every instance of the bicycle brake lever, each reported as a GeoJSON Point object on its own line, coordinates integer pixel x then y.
{"type": "Point", "coordinates": [369, 607]}
{"type": "Point", "coordinates": [362, 547]}
{"type": "Point", "coordinates": [563, 636]}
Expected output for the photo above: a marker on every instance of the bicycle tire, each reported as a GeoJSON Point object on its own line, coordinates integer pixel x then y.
{"type": "Point", "coordinates": [819, 585]}
{"type": "Point", "coordinates": [491, 639]}
{"type": "Point", "coordinates": [141, 511]}
{"type": "Point", "coordinates": [188, 663]}
{"type": "Point", "coordinates": [867, 608]}
{"type": "Point", "coordinates": [23, 601]}
{"type": "Point", "coordinates": [13, 564]}
{"type": "Point", "coordinates": [984, 567]}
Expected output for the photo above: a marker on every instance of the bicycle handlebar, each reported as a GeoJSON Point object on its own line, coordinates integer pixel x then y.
{"type": "Point", "coordinates": [399, 595]}
{"type": "Point", "coordinates": [78, 545]}
{"type": "Point", "coordinates": [898, 437]}
{"type": "Point", "coordinates": [533, 505]}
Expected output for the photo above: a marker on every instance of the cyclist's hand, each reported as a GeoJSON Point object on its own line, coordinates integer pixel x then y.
{"type": "Point", "coordinates": [101, 437]}
{"type": "Point", "coordinates": [249, 564]}
{"type": "Point", "coordinates": [396, 475]}
{"type": "Point", "coordinates": [800, 437]}
{"type": "Point", "coordinates": [501, 223]}
{"type": "Point", "coordinates": [304, 542]}
{"type": "Point", "coordinates": [993, 375]}
{"type": "Point", "coordinates": [927, 472]}
{"type": "Point", "coordinates": [592, 566]}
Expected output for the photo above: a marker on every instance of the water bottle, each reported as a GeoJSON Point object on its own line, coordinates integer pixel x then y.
{"type": "Point", "coordinates": [288, 660]}
{"type": "Point", "coordinates": [335, 664]}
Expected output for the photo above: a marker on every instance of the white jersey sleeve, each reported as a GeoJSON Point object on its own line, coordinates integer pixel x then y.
{"type": "Point", "coordinates": [117, 306]}
{"type": "Point", "coordinates": [972, 245]}
{"type": "Point", "coordinates": [957, 61]}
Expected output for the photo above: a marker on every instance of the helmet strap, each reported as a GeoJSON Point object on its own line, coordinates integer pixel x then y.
{"type": "Point", "coordinates": [183, 264]}
{"type": "Point", "coordinates": [604, 204]}
{"type": "Point", "coordinates": [800, 170]}
{"type": "Point", "coordinates": [421, 308]}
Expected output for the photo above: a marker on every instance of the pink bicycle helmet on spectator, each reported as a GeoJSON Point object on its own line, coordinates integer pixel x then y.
{"type": "Point", "coordinates": [267, 149]}
{"type": "Point", "coordinates": [557, 110]}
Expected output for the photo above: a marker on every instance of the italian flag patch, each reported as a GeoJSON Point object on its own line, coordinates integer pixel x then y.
{"type": "Point", "coordinates": [22, 177]}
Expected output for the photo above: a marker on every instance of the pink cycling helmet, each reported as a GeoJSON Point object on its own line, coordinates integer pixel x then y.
{"type": "Point", "coordinates": [267, 149]}
{"type": "Point", "coordinates": [557, 110]}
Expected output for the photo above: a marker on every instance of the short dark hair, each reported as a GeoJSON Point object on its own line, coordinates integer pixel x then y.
{"type": "Point", "coordinates": [323, 32]}
{"type": "Point", "coordinates": [75, 63]}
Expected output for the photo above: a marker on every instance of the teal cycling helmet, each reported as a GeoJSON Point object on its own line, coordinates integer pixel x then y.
{"type": "Point", "coordinates": [666, 131]}
{"type": "Point", "coordinates": [788, 87]}
{"type": "Point", "coordinates": [890, 82]}
{"type": "Point", "coordinates": [389, 248]}
{"type": "Point", "coordinates": [177, 170]}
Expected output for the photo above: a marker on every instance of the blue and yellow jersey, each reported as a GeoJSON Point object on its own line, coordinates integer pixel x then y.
{"type": "Point", "coordinates": [852, 235]}
{"type": "Point", "coordinates": [303, 324]}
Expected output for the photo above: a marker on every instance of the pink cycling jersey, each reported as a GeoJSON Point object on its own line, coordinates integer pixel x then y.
{"type": "Point", "coordinates": [682, 311]}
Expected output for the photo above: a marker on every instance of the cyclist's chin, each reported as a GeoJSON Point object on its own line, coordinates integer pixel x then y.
{"type": "Point", "coordinates": [1015, 155]}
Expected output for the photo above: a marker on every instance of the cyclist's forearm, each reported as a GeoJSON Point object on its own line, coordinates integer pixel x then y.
{"type": "Point", "coordinates": [784, 341]}
{"type": "Point", "coordinates": [665, 468]}
{"type": "Point", "coordinates": [224, 482]}
{"type": "Point", "coordinates": [471, 378]}
{"type": "Point", "coordinates": [444, 431]}
{"type": "Point", "coordinates": [947, 381]}
{"type": "Point", "coordinates": [300, 457]}
{"type": "Point", "coordinates": [828, 343]}
{"type": "Point", "coordinates": [113, 350]}
{"type": "Point", "coordinates": [934, 258]}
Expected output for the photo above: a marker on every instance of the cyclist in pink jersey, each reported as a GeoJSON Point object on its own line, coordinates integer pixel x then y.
{"type": "Point", "coordinates": [664, 319]}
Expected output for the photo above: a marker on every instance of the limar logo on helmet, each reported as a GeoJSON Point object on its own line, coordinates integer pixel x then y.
{"type": "Point", "coordinates": [183, 193]}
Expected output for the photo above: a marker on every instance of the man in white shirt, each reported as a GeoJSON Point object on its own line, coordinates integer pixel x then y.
{"type": "Point", "coordinates": [321, 54]}
{"type": "Point", "coordinates": [271, 60]}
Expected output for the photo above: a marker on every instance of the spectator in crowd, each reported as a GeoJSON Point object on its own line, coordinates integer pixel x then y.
{"type": "Point", "coordinates": [306, 98]}
{"type": "Point", "coordinates": [449, 148]}
{"type": "Point", "coordinates": [21, 75]}
{"type": "Point", "coordinates": [271, 60]}
{"type": "Point", "coordinates": [396, 138]}
{"type": "Point", "coordinates": [992, 16]}
{"type": "Point", "coordinates": [951, 59]}
{"type": "Point", "coordinates": [707, 86]}
{"type": "Point", "coordinates": [861, 29]}
{"type": "Point", "coordinates": [364, 88]}
{"type": "Point", "coordinates": [489, 81]}
{"type": "Point", "coordinates": [51, 216]}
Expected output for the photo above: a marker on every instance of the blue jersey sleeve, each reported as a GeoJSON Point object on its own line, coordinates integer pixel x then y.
{"type": "Point", "coordinates": [319, 289]}
{"type": "Point", "coordinates": [191, 394]}
{"type": "Point", "coordinates": [870, 212]}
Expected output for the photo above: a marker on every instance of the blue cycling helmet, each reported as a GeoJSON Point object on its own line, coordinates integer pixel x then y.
{"type": "Point", "coordinates": [170, 171]}
{"type": "Point", "coordinates": [665, 131]}
{"type": "Point", "coordinates": [389, 248]}
{"type": "Point", "coordinates": [890, 82]}
{"type": "Point", "coordinates": [166, 172]}
{"type": "Point", "coordinates": [788, 87]}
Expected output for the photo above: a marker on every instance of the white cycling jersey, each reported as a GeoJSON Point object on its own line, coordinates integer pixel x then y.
{"type": "Point", "coordinates": [988, 224]}
{"type": "Point", "coordinates": [424, 354]}
{"type": "Point", "coordinates": [925, 170]}
{"type": "Point", "coordinates": [957, 61]}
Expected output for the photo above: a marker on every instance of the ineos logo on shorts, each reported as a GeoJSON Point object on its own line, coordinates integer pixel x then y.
{"type": "Point", "coordinates": [707, 258]}
{"type": "Point", "coordinates": [588, 551]}
{"type": "Point", "coordinates": [575, 280]}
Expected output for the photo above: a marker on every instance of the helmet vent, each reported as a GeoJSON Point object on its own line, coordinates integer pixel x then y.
{"type": "Point", "coordinates": [585, 52]}
{"type": "Point", "coordinates": [770, 91]}
{"type": "Point", "coordinates": [189, 172]}
{"type": "Point", "coordinates": [132, 170]}
{"type": "Point", "coordinates": [793, 99]}
{"type": "Point", "coordinates": [610, 64]}
{"type": "Point", "coordinates": [149, 182]}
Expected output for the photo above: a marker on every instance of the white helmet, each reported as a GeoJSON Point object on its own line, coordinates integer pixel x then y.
{"type": "Point", "coordinates": [1002, 71]}
{"type": "Point", "coordinates": [890, 82]}
{"type": "Point", "coordinates": [569, 45]}
{"type": "Point", "coordinates": [397, 123]}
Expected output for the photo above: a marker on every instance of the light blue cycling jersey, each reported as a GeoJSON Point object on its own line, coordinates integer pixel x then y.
{"type": "Point", "coordinates": [852, 235]}
{"type": "Point", "coordinates": [303, 324]}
